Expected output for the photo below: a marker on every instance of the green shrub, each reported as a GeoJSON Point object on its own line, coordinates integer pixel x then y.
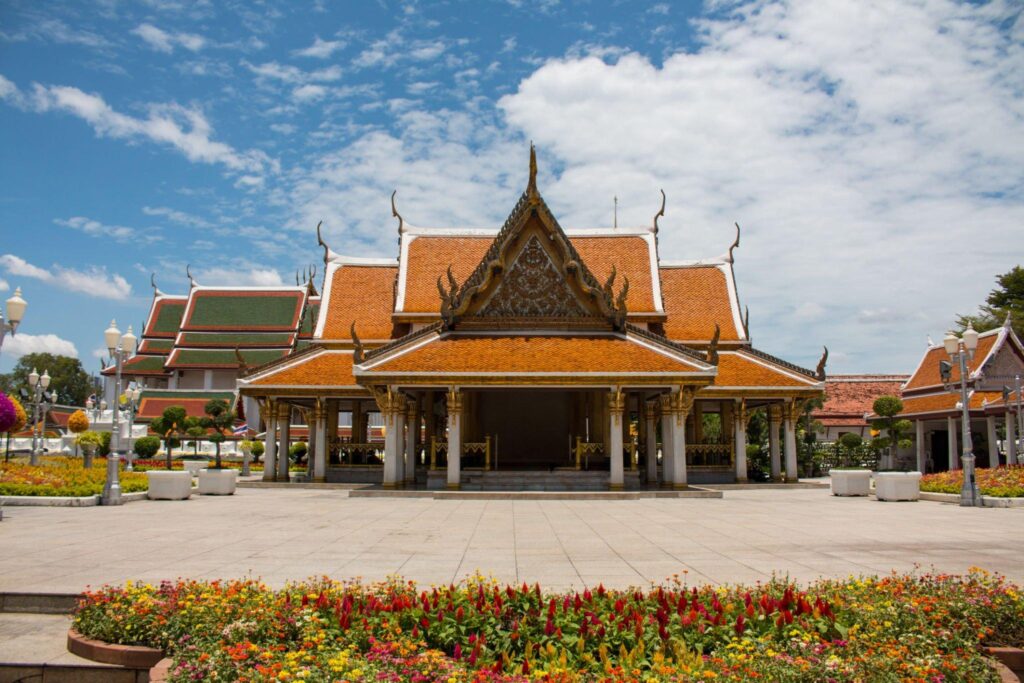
{"type": "Point", "coordinates": [147, 446]}
{"type": "Point", "coordinates": [297, 451]}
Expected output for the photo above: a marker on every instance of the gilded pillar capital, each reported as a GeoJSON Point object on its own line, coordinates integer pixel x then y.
{"type": "Point", "coordinates": [775, 412]}
{"type": "Point", "coordinates": [683, 400]}
{"type": "Point", "coordinates": [616, 402]}
{"type": "Point", "coordinates": [453, 399]}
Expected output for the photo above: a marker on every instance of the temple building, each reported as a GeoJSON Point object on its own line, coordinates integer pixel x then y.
{"type": "Point", "coordinates": [994, 370]}
{"type": "Point", "coordinates": [848, 403]}
{"type": "Point", "coordinates": [527, 356]}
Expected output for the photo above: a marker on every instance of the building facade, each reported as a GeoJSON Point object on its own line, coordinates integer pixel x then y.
{"type": "Point", "coordinates": [576, 355]}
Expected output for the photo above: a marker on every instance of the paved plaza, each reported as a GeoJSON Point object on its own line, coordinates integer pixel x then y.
{"type": "Point", "coordinates": [286, 534]}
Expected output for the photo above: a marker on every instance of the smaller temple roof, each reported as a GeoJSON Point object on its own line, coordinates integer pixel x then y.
{"type": "Point", "coordinates": [697, 297]}
{"type": "Point", "coordinates": [154, 401]}
{"type": "Point", "coordinates": [221, 358]}
{"type": "Point", "coordinates": [947, 403]}
{"type": "Point", "coordinates": [742, 369]}
{"type": "Point", "coordinates": [318, 368]}
{"type": "Point", "coordinates": [848, 398]}
{"type": "Point", "coordinates": [927, 373]}
{"type": "Point", "coordinates": [360, 291]}
{"type": "Point", "coordinates": [224, 309]}
{"type": "Point", "coordinates": [165, 316]}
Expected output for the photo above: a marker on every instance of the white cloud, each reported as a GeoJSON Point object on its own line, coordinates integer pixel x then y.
{"type": "Point", "coordinates": [395, 48]}
{"type": "Point", "coordinates": [97, 229]}
{"type": "Point", "coordinates": [4, 286]}
{"type": "Point", "coordinates": [273, 71]}
{"type": "Point", "coordinates": [183, 128]}
{"type": "Point", "coordinates": [308, 93]}
{"type": "Point", "coordinates": [239, 276]}
{"type": "Point", "coordinates": [175, 216]}
{"type": "Point", "coordinates": [164, 41]}
{"type": "Point", "coordinates": [95, 281]}
{"type": "Point", "coordinates": [864, 148]}
{"type": "Point", "coordinates": [320, 49]}
{"type": "Point", "coordinates": [22, 344]}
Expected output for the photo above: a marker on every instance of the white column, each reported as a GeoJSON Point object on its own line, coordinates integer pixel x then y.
{"type": "Point", "coordinates": [412, 433]}
{"type": "Point", "coordinates": [668, 426]}
{"type": "Point", "coordinates": [270, 443]}
{"type": "Point", "coordinates": [741, 440]}
{"type": "Point", "coordinates": [400, 445]}
{"type": "Point", "coordinates": [683, 405]}
{"type": "Point", "coordinates": [1011, 438]}
{"type": "Point", "coordinates": [993, 441]}
{"type": "Point", "coordinates": [616, 404]}
{"type": "Point", "coordinates": [774, 417]}
{"type": "Point", "coordinates": [652, 444]}
{"type": "Point", "coordinates": [312, 454]}
{"type": "Point", "coordinates": [207, 379]}
{"type": "Point", "coordinates": [919, 446]}
{"type": "Point", "coordinates": [454, 439]}
{"type": "Point", "coordinates": [954, 451]}
{"type": "Point", "coordinates": [392, 436]}
{"type": "Point", "coordinates": [789, 442]}
{"type": "Point", "coordinates": [320, 471]}
{"type": "Point", "coordinates": [284, 419]}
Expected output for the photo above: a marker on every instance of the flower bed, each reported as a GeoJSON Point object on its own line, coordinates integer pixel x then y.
{"type": "Point", "coordinates": [63, 477]}
{"type": "Point", "coordinates": [901, 627]}
{"type": "Point", "coordinates": [998, 482]}
{"type": "Point", "coordinates": [145, 464]}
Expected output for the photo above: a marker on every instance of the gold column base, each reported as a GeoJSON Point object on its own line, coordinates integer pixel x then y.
{"type": "Point", "coordinates": [453, 487]}
{"type": "Point", "coordinates": [616, 487]}
{"type": "Point", "coordinates": [390, 485]}
{"type": "Point", "coordinates": [319, 480]}
{"type": "Point", "coordinates": [680, 487]}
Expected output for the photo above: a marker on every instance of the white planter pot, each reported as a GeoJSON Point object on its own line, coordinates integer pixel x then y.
{"type": "Point", "coordinates": [169, 484]}
{"type": "Point", "coordinates": [217, 482]}
{"type": "Point", "coordinates": [193, 466]}
{"type": "Point", "coordinates": [850, 482]}
{"type": "Point", "coordinates": [898, 485]}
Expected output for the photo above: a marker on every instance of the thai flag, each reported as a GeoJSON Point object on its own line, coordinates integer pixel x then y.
{"type": "Point", "coordinates": [241, 430]}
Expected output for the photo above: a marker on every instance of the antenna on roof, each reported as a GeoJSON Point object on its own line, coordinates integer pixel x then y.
{"type": "Point", "coordinates": [191, 280]}
{"type": "Point", "coordinates": [615, 211]}
{"type": "Point", "coordinates": [661, 212]}
{"type": "Point", "coordinates": [152, 282]}
{"type": "Point", "coordinates": [395, 214]}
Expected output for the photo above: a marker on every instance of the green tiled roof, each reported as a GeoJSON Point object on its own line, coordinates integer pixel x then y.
{"type": "Point", "coordinates": [144, 364]}
{"type": "Point", "coordinates": [150, 345]}
{"type": "Point", "coordinates": [309, 320]}
{"type": "Point", "coordinates": [221, 310]}
{"type": "Point", "coordinates": [168, 317]}
{"type": "Point", "coordinates": [232, 339]}
{"type": "Point", "coordinates": [188, 394]}
{"type": "Point", "coordinates": [209, 358]}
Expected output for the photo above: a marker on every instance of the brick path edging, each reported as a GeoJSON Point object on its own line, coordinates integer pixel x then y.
{"type": "Point", "coordinates": [129, 656]}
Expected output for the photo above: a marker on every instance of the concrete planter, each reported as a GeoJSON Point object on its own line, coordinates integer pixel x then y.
{"type": "Point", "coordinates": [193, 466]}
{"type": "Point", "coordinates": [169, 484]}
{"type": "Point", "coordinates": [898, 485]}
{"type": "Point", "coordinates": [1012, 658]}
{"type": "Point", "coordinates": [850, 482]}
{"type": "Point", "coordinates": [217, 482]}
{"type": "Point", "coordinates": [130, 656]}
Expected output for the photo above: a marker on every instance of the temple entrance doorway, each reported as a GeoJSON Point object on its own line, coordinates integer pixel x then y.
{"type": "Point", "coordinates": [530, 429]}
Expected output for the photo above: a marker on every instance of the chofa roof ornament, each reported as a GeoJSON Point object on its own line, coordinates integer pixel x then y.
{"type": "Point", "coordinates": [735, 243]}
{"type": "Point", "coordinates": [152, 283]}
{"type": "Point", "coordinates": [819, 372]}
{"type": "Point", "coordinates": [320, 241]}
{"type": "Point", "coordinates": [661, 212]}
{"type": "Point", "coordinates": [395, 214]}
{"type": "Point", "coordinates": [191, 280]}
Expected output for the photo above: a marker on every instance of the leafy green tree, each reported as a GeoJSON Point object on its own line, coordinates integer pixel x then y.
{"type": "Point", "coordinates": [194, 429]}
{"type": "Point", "coordinates": [67, 377]}
{"type": "Point", "coordinates": [257, 450]}
{"type": "Point", "coordinates": [888, 408]}
{"type": "Point", "coordinates": [219, 418]}
{"type": "Point", "coordinates": [1006, 299]}
{"type": "Point", "coordinates": [147, 446]}
{"type": "Point", "coordinates": [850, 441]}
{"type": "Point", "coordinates": [171, 425]}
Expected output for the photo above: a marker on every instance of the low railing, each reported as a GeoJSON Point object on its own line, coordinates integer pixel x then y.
{"type": "Point", "coordinates": [436, 448]}
{"type": "Point", "coordinates": [583, 451]}
{"type": "Point", "coordinates": [358, 453]}
{"type": "Point", "coordinates": [482, 448]}
{"type": "Point", "coordinates": [709, 454]}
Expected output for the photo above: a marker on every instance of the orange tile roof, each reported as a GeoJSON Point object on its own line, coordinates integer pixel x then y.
{"type": "Point", "coordinates": [695, 299]}
{"type": "Point", "coordinates": [947, 402]}
{"type": "Point", "coordinates": [853, 395]}
{"type": "Point", "coordinates": [927, 374]}
{"type": "Point", "coordinates": [533, 354]}
{"type": "Point", "coordinates": [364, 294]}
{"type": "Point", "coordinates": [327, 368]}
{"type": "Point", "coordinates": [736, 369]}
{"type": "Point", "coordinates": [429, 258]}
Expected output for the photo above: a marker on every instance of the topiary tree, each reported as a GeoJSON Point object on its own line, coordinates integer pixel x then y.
{"type": "Point", "coordinates": [219, 418]}
{"type": "Point", "coordinates": [195, 430]}
{"type": "Point", "coordinates": [78, 423]}
{"type": "Point", "coordinates": [20, 418]}
{"type": "Point", "coordinates": [297, 451]}
{"type": "Point", "coordinates": [257, 450]}
{"type": "Point", "coordinates": [89, 442]}
{"type": "Point", "coordinates": [147, 446]}
{"type": "Point", "coordinates": [169, 426]}
{"type": "Point", "coordinates": [851, 441]}
{"type": "Point", "coordinates": [887, 408]}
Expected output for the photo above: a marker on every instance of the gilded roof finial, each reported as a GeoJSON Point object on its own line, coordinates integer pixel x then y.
{"type": "Point", "coordinates": [531, 187]}
{"type": "Point", "coordinates": [320, 241]}
{"type": "Point", "coordinates": [394, 213]}
{"type": "Point", "coordinates": [661, 212]}
{"type": "Point", "coordinates": [820, 370]}
{"type": "Point", "coordinates": [735, 242]}
{"type": "Point", "coordinates": [191, 280]}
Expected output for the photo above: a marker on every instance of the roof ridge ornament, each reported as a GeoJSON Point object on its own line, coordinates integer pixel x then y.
{"type": "Point", "coordinates": [358, 353]}
{"type": "Point", "coordinates": [746, 322]}
{"type": "Point", "coordinates": [320, 241]}
{"type": "Point", "coordinates": [620, 305]}
{"type": "Point", "coordinates": [448, 298]}
{"type": "Point", "coordinates": [395, 214]}
{"type": "Point", "coordinates": [712, 355]}
{"type": "Point", "coordinates": [735, 243]}
{"type": "Point", "coordinates": [242, 365]}
{"type": "Point", "coordinates": [152, 283]}
{"type": "Point", "coordinates": [531, 186]}
{"type": "Point", "coordinates": [820, 370]}
{"type": "Point", "coordinates": [192, 284]}
{"type": "Point", "coordinates": [311, 287]}
{"type": "Point", "coordinates": [661, 212]}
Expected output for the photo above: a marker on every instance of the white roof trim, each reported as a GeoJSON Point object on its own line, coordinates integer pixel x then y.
{"type": "Point", "coordinates": [693, 263]}
{"type": "Point", "coordinates": [363, 261]}
{"type": "Point", "coordinates": [620, 231]}
{"type": "Point", "coordinates": [771, 366]}
{"type": "Point", "coordinates": [387, 357]}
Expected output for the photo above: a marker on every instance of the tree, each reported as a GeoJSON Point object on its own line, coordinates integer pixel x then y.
{"type": "Point", "coordinates": [78, 423]}
{"type": "Point", "coordinates": [219, 418]}
{"type": "Point", "coordinates": [851, 441]}
{"type": "Point", "coordinates": [20, 418]}
{"type": "Point", "coordinates": [146, 447]}
{"type": "Point", "coordinates": [1006, 299]}
{"type": "Point", "coordinates": [90, 442]}
{"type": "Point", "coordinates": [257, 450]}
{"type": "Point", "coordinates": [170, 426]}
{"type": "Point", "coordinates": [67, 377]}
{"type": "Point", "coordinates": [888, 408]}
{"type": "Point", "coordinates": [195, 430]}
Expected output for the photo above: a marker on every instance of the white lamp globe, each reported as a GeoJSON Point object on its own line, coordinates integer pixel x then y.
{"type": "Point", "coordinates": [16, 308]}
{"type": "Point", "coordinates": [111, 336]}
{"type": "Point", "coordinates": [951, 343]}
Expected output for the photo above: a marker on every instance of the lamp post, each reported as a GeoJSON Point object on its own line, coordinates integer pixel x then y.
{"type": "Point", "coordinates": [41, 400]}
{"type": "Point", "coordinates": [1014, 414]}
{"type": "Point", "coordinates": [961, 350]}
{"type": "Point", "coordinates": [131, 405]}
{"type": "Point", "coordinates": [120, 347]}
{"type": "Point", "coordinates": [15, 312]}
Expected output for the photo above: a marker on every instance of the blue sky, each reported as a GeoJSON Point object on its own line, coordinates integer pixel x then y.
{"type": "Point", "coordinates": [873, 152]}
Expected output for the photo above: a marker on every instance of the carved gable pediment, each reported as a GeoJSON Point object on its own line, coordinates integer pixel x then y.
{"type": "Point", "coordinates": [532, 276]}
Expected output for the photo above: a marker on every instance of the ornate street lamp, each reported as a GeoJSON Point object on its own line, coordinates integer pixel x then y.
{"type": "Point", "coordinates": [961, 350]}
{"type": "Point", "coordinates": [120, 347]}
{"type": "Point", "coordinates": [41, 400]}
{"type": "Point", "coordinates": [15, 312]}
{"type": "Point", "coordinates": [131, 405]}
